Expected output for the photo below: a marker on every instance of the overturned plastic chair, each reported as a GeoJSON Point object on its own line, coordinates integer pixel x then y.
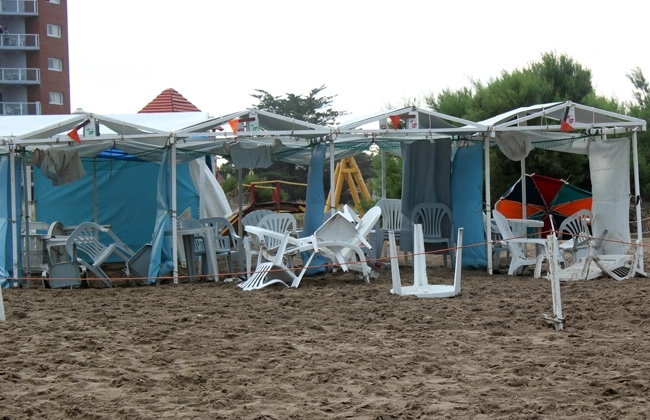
{"type": "Point", "coordinates": [421, 287]}
{"type": "Point", "coordinates": [339, 239]}
{"type": "Point", "coordinates": [275, 222]}
{"type": "Point", "coordinates": [271, 267]}
{"type": "Point", "coordinates": [617, 266]}
{"type": "Point", "coordinates": [95, 244]}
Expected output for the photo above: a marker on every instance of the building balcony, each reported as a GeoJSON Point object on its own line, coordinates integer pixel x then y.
{"type": "Point", "coordinates": [18, 7]}
{"type": "Point", "coordinates": [19, 42]}
{"type": "Point", "coordinates": [26, 76]}
{"type": "Point", "coordinates": [20, 108]}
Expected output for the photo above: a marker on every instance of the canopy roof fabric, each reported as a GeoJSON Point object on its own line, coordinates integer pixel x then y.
{"type": "Point", "coordinates": [543, 122]}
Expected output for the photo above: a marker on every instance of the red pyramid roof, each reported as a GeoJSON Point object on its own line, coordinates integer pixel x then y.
{"type": "Point", "coordinates": [169, 100]}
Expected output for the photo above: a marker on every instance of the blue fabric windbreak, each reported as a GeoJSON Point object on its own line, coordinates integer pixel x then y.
{"type": "Point", "coordinates": [162, 262]}
{"type": "Point", "coordinates": [467, 204]}
{"type": "Point", "coordinates": [315, 205]}
{"type": "Point", "coordinates": [126, 200]}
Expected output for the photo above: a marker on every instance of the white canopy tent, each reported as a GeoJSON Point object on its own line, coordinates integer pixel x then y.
{"type": "Point", "coordinates": [601, 134]}
{"type": "Point", "coordinates": [129, 133]}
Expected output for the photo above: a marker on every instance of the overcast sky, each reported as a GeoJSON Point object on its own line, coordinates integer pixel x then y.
{"type": "Point", "coordinates": [370, 54]}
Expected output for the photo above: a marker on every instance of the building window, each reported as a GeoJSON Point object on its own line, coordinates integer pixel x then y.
{"type": "Point", "coordinates": [54, 1]}
{"type": "Point", "coordinates": [55, 64]}
{"type": "Point", "coordinates": [56, 98]}
{"type": "Point", "coordinates": [54, 30]}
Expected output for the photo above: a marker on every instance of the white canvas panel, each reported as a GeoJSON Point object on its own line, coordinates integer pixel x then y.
{"type": "Point", "coordinates": [609, 163]}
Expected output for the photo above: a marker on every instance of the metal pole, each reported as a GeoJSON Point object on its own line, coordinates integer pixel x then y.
{"type": "Point", "coordinates": [174, 210]}
{"type": "Point", "coordinates": [332, 169]}
{"type": "Point", "coordinates": [383, 174]}
{"type": "Point", "coordinates": [637, 195]}
{"type": "Point", "coordinates": [488, 207]}
{"type": "Point", "coordinates": [14, 221]}
{"type": "Point", "coordinates": [28, 248]}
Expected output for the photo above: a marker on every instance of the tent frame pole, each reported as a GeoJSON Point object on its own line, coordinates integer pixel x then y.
{"type": "Point", "coordinates": [488, 207]}
{"type": "Point", "coordinates": [637, 199]}
{"type": "Point", "coordinates": [332, 169]}
{"type": "Point", "coordinates": [174, 214]}
{"type": "Point", "coordinates": [383, 173]}
{"type": "Point", "coordinates": [14, 221]}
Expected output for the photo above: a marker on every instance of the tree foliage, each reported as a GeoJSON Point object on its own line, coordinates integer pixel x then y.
{"type": "Point", "coordinates": [313, 108]}
{"type": "Point", "coordinates": [310, 108]}
{"type": "Point", "coordinates": [553, 78]}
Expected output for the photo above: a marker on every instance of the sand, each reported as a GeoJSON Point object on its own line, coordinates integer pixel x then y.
{"type": "Point", "coordinates": [333, 348]}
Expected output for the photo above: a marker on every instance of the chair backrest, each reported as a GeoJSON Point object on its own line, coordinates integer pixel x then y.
{"type": "Point", "coordinates": [369, 220]}
{"type": "Point", "coordinates": [577, 224]}
{"type": "Point", "coordinates": [189, 223]}
{"type": "Point", "coordinates": [86, 239]}
{"type": "Point", "coordinates": [391, 213]}
{"type": "Point", "coordinates": [225, 236]}
{"type": "Point", "coordinates": [222, 226]}
{"type": "Point", "coordinates": [502, 224]}
{"type": "Point", "coordinates": [432, 217]}
{"type": "Point", "coordinates": [277, 222]}
{"type": "Point", "coordinates": [253, 218]}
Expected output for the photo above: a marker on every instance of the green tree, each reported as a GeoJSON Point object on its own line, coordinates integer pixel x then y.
{"type": "Point", "coordinates": [640, 108]}
{"type": "Point", "coordinates": [310, 108]}
{"type": "Point", "coordinates": [551, 79]}
{"type": "Point", "coordinates": [315, 108]}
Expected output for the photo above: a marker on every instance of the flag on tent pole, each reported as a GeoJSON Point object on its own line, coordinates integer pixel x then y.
{"type": "Point", "coordinates": [569, 119]}
{"type": "Point", "coordinates": [395, 119]}
{"type": "Point", "coordinates": [234, 124]}
{"type": "Point", "coordinates": [74, 133]}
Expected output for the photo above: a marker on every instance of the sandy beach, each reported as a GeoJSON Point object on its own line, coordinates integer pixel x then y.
{"type": "Point", "coordinates": [336, 347]}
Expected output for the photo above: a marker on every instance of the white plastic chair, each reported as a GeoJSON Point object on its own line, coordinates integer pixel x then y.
{"type": "Point", "coordinates": [94, 245]}
{"type": "Point", "coordinates": [498, 244]}
{"type": "Point", "coordinates": [432, 217]}
{"type": "Point", "coordinates": [274, 222]}
{"type": "Point", "coordinates": [577, 226]}
{"type": "Point", "coordinates": [391, 219]}
{"type": "Point", "coordinates": [223, 227]}
{"type": "Point", "coordinates": [519, 259]}
{"type": "Point", "coordinates": [338, 239]}
{"type": "Point", "coordinates": [271, 267]}
{"type": "Point", "coordinates": [421, 287]}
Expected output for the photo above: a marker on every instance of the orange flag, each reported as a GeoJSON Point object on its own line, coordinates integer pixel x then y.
{"type": "Point", "coordinates": [74, 133]}
{"type": "Point", "coordinates": [569, 119]}
{"type": "Point", "coordinates": [395, 119]}
{"type": "Point", "coordinates": [234, 124]}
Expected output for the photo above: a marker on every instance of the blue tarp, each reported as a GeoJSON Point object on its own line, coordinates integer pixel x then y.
{"type": "Point", "coordinates": [315, 205]}
{"type": "Point", "coordinates": [126, 200]}
{"type": "Point", "coordinates": [162, 261]}
{"type": "Point", "coordinates": [467, 204]}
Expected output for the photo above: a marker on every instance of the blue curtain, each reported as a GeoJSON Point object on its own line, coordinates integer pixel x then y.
{"type": "Point", "coordinates": [315, 205]}
{"type": "Point", "coordinates": [162, 262]}
{"type": "Point", "coordinates": [467, 204]}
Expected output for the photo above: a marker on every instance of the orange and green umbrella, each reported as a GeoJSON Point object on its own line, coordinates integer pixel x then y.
{"type": "Point", "coordinates": [548, 199]}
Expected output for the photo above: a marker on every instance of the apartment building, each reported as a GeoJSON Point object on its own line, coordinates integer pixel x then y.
{"type": "Point", "coordinates": [34, 74]}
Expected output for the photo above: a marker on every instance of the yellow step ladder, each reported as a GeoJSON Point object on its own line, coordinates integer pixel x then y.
{"type": "Point", "coordinates": [348, 170]}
